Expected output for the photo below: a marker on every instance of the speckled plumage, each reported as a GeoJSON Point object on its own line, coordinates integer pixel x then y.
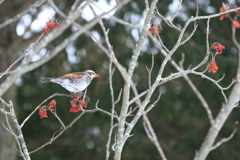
{"type": "Point", "coordinates": [73, 82]}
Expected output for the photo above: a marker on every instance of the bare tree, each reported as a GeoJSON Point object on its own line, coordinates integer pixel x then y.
{"type": "Point", "coordinates": [129, 95]}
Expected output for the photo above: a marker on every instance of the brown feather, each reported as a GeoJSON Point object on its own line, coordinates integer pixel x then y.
{"type": "Point", "coordinates": [75, 75]}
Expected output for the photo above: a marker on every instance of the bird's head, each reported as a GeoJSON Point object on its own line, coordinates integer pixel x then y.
{"type": "Point", "coordinates": [91, 73]}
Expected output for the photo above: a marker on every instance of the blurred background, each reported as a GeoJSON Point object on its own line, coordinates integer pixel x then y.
{"type": "Point", "coordinates": [179, 120]}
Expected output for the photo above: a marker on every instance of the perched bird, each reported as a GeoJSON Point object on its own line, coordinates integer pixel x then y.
{"type": "Point", "coordinates": [73, 82]}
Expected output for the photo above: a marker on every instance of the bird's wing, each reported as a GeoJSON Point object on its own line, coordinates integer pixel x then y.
{"type": "Point", "coordinates": [76, 75]}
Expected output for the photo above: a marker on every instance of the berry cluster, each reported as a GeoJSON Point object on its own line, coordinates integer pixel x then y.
{"type": "Point", "coordinates": [235, 23]}
{"type": "Point", "coordinates": [218, 48]}
{"type": "Point", "coordinates": [212, 66]}
{"type": "Point", "coordinates": [43, 110]}
{"type": "Point", "coordinates": [153, 30]}
{"type": "Point", "coordinates": [222, 9]}
{"type": "Point", "coordinates": [77, 104]}
{"type": "Point", "coordinates": [51, 25]}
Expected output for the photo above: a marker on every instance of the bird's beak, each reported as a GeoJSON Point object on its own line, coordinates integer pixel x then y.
{"type": "Point", "coordinates": [96, 75]}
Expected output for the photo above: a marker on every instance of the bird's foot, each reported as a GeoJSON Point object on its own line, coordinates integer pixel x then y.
{"type": "Point", "coordinates": [80, 95]}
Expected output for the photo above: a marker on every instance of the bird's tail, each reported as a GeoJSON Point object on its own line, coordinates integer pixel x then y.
{"type": "Point", "coordinates": [46, 79]}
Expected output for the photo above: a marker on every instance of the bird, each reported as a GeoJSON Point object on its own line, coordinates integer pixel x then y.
{"type": "Point", "coordinates": [73, 82]}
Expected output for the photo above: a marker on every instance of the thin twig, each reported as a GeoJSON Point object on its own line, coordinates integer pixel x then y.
{"type": "Point", "coordinates": [152, 135]}
{"type": "Point", "coordinates": [27, 118]}
{"type": "Point", "coordinates": [168, 58]}
{"type": "Point", "coordinates": [112, 111]}
{"type": "Point", "coordinates": [75, 5]}
{"type": "Point", "coordinates": [178, 9]}
{"type": "Point", "coordinates": [197, 9]}
{"type": "Point", "coordinates": [21, 57]}
{"type": "Point", "coordinates": [2, 1]}
{"type": "Point", "coordinates": [147, 5]}
{"type": "Point", "coordinates": [19, 135]}
{"type": "Point", "coordinates": [182, 61]}
{"type": "Point", "coordinates": [168, 22]}
{"type": "Point", "coordinates": [161, 43]}
{"type": "Point", "coordinates": [123, 136]}
{"type": "Point", "coordinates": [150, 72]}
{"type": "Point", "coordinates": [120, 21]}
{"type": "Point", "coordinates": [18, 16]}
{"type": "Point", "coordinates": [154, 103]}
{"type": "Point", "coordinates": [223, 140]}
{"type": "Point", "coordinates": [8, 127]}
{"type": "Point", "coordinates": [207, 37]}
{"type": "Point", "coordinates": [190, 36]}
{"type": "Point", "coordinates": [64, 129]}
{"type": "Point", "coordinates": [59, 119]}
